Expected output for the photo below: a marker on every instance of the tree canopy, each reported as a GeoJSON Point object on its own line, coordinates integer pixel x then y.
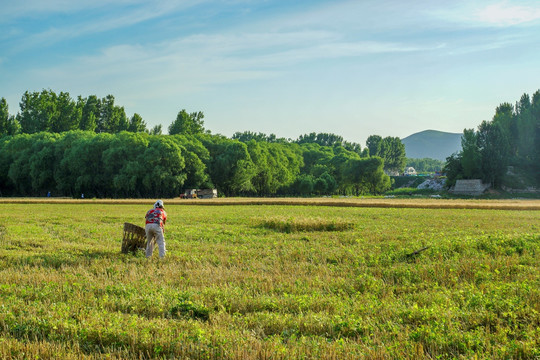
{"type": "Point", "coordinates": [89, 145]}
{"type": "Point", "coordinates": [512, 137]}
{"type": "Point", "coordinates": [187, 123]}
{"type": "Point", "coordinates": [128, 164]}
{"type": "Point", "coordinates": [47, 111]}
{"type": "Point", "coordinates": [425, 165]}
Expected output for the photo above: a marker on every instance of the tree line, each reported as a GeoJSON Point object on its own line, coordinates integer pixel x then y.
{"type": "Point", "coordinates": [47, 111]}
{"type": "Point", "coordinates": [143, 165]}
{"type": "Point", "coordinates": [425, 165]}
{"type": "Point", "coordinates": [512, 137]}
{"type": "Point", "coordinates": [89, 146]}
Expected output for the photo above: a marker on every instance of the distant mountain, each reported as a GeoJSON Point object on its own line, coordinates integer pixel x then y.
{"type": "Point", "coordinates": [432, 144]}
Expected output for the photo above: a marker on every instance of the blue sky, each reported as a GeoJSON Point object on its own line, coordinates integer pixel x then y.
{"type": "Point", "coordinates": [353, 68]}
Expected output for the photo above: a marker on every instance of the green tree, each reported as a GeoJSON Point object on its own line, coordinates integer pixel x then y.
{"type": "Point", "coordinates": [4, 116]}
{"type": "Point", "coordinates": [91, 113]}
{"type": "Point", "coordinates": [505, 117]}
{"type": "Point", "coordinates": [304, 185]}
{"type": "Point", "coordinates": [105, 120]}
{"type": "Point", "coordinates": [20, 151]}
{"type": "Point", "coordinates": [113, 118]}
{"type": "Point", "coordinates": [230, 167]}
{"type": "Point", "coordinates": [263, 175]}
{"type": "Point", "coordinates": [136, 124]}
{"type": "Point", "coordinates": [535, 109]}
{"type": "Point", "coordinates": [123, 122]}
{"type": "Point", "coordinates": [276, 167]}
{"type": "Point", "coordinates": [187, 124]}
{"type": "Point", "coordinates": [165, 163]}
{"type": "Point", "coordinates": [425, 165]}
{"type": "Point", "coordinates": [315, 154]}
{"type": "Point", "coordinates": [42, 163]}
{"type": "Point", "coordinates": [374, 144]}
{"type": "Point", "coordinates": [247, 136]}
{"type": "Point", "coordinates": [196, 157]}
{"type": "Point", "coordinates": [453, 169]}
{"type": "Point", "coordinates": [67, 116]}
{"type": "Point", "coordinates": [84, 160]}
{"type": "Point", "coordinates": [510, 138]}
{"type": "Point", "coordinates": [156, 130]}
{"type": "Point", "coordinates": [307, 138]}
{"type": "Point", "coordinates": [366, 175]}
{"type": "Point", "coordinates": [8, 123]}
{"type": "Point", "coordinates": [493, 147]}
{"type": "Point", "coordinates": [38, 111]}
{"type": "Point", "coordinates": [393, 153]}
{"type": "Point", "coordinates": [286, 162]}
{"type": "Point", "coordinates": [65, 175]}
{"type": "Point", "coordinates": [337, 164]}
{"type": "Point", "coordinates": [48, 111]}
{"type": "Point", "coordinates": [352, 146]}
{"type": "Point", "coordinates": [122, 163]}
{"type": "Point", "coordinates": [325, 139]}
{"type": "Point", "coordinates": [325, 184]}
{"type": "Point", "coordinates": [6, 186]}
{"type": "Point", "coordinates": [526, 129]}
{"type": "Point", "coordinates": [471, 160]}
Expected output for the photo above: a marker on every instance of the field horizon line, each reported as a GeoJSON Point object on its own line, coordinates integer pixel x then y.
{"type": "Point", "coordinates": [479, 204]}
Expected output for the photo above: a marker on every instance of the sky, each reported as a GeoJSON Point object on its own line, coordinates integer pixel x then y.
{"type": "Point", "coordinates": [352, 68]}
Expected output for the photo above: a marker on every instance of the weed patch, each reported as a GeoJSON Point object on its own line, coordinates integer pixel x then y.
{"type": "Point", "coordinates": [291, 225]}
{"type": "Point", "coordinates": [185, 308]}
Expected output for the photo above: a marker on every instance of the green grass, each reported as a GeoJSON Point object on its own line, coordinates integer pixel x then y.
{"type": "Point", "coordinates": [270, 282]}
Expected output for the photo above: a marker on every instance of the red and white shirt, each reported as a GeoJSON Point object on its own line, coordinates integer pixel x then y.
{"type": "Point", "coordinates": [156, 216]}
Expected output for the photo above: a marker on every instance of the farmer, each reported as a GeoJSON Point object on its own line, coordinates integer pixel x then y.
{"type": "Point", "coordinates": [155, 219]}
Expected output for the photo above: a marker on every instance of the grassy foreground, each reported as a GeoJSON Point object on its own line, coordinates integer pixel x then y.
{"type": "Point", "coordinates": [270, 282]}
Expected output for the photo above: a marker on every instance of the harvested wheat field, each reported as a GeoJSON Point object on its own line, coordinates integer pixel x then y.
{"type": "Point", "coordinates": [360, 279]}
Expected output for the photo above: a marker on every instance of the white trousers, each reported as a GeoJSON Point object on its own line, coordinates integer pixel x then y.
{"type": "Point", "coordinates": [154, 231]}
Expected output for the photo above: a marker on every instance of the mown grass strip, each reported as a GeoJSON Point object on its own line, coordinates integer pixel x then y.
{"type": "Point", "coordinates": [332, 202]}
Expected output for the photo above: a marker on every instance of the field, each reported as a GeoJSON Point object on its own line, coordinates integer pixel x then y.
{"type": "Point", "coordinates": [272, 281]}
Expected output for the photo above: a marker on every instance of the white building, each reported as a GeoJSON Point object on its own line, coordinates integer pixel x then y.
{"type": "Point", "coordinates": [410, 171]}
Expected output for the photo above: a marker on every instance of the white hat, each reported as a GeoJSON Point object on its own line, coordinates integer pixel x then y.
{"type": "Point", "coordinates": [158, 204]}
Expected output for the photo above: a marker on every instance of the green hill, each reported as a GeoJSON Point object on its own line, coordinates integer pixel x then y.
{"type": "Point", "coordinates": [432, 144]}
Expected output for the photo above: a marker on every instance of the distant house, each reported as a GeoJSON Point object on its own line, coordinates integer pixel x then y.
{"type": "Point", "coordinates": [410, 171]}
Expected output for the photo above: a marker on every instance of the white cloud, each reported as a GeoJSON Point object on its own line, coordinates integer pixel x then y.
{"type": "Point", "coordinates": [204, 67]}
{"type": "Point", "coordinates": [504, 14]}
{"type": "Point", "coordinates": [488, 13]}
{"type": "Point", "coordinates": [201, 60]}
{"type": "Point", "coordinates": [32, 8]}
{"type": "Point", "coordinates": [110, 20]}
{"type": "Point", "coordinates": [353, 16]}
{"type": "Point", "coordinates": [191, 66]}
